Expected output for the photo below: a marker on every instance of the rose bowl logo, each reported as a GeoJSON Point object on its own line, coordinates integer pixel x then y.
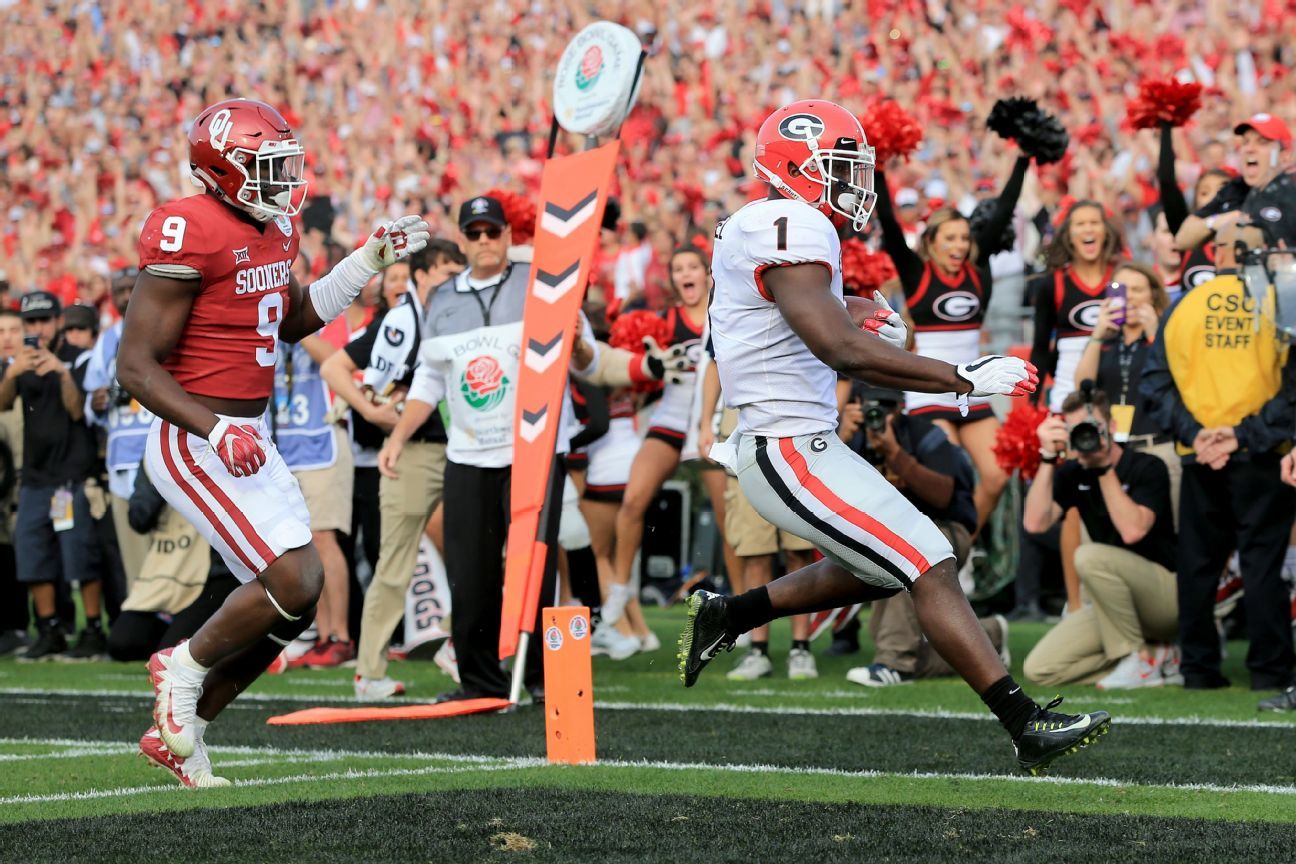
{"type": "Point", "coordinates": [578, 627]}
{"type": "Point", "coordinates": [591, 67]}
{"type": "Point", "coordinates": [553, 638]}
{"type": "Point", "coordinates": [483, 383]}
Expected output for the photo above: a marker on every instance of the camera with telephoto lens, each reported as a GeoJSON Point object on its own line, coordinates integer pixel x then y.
{"type": "Point", "coordinates": [1090, 434]}
{"type": "Point", "coordinates": [875, 414]}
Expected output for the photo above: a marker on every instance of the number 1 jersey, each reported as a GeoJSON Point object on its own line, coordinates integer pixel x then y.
{"type": "Point", "coordinates": [778, 386]}
{"type": "Point", "coordinates": [228, 345]}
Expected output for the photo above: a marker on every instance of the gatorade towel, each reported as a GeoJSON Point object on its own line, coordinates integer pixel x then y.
{"type": "Point", "coordinates": [573, 192]}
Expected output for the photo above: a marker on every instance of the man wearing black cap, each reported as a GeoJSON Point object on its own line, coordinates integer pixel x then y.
{"type": "Point", "coordinates": [937, 477]}
{"type": "Point", "coordinates": [469, 356]}
{"type": "Point", "coordinates": [55, 537]}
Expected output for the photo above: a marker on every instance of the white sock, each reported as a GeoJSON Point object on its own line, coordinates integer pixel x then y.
{"type": "Point", "coordinates": [187, 665]}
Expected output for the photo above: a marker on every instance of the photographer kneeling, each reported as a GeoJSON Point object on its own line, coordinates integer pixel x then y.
{"type": "Point", "coordinates": [1122, 639]}
{"type": "Point", "coordinates": [918, 459]}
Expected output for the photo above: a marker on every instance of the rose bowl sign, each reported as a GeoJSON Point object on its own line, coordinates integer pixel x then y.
{"type": "Point", "coordinates": [596, 81]}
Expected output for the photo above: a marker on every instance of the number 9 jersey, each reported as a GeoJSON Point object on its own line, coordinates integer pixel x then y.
{"type": "Point", "coordinates": [241, 269]}
{"type": "Point", "coordinates": [778, 386]}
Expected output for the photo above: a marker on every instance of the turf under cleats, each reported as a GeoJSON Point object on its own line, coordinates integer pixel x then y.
{"type": "Point", "coordinates": [705, 635]}
{"type": "Point", "coordinates": [193, 772]}
{"type": "Point", "coordinates": [1049, 735]}
{"type": "Point", "coordinates": [175, 702]}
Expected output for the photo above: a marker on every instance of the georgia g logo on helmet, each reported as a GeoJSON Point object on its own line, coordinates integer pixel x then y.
{"type": "Point", "coordinates": [801, 127]}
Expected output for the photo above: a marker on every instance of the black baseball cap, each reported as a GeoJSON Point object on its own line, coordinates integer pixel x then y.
{"type": "Point", "coordinates": [39, 304]}
{"type": "Point", "coordinates": [483, 208]}
{"type": "Point", "coordinates": [79, 316]}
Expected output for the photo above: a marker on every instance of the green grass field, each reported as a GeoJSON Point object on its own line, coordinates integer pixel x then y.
{"type": "Point", "coordinates": [721, 772]}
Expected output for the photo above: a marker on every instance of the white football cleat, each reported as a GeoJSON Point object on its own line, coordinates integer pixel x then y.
{"type": "Point", "coordinates": [193, 772]}
{"type": "Point", "coordinates": [372, 689]}
{"type": "Point", "coordinates": [447, 660]}
{"type": "Point", "coordinates": [175, 703]}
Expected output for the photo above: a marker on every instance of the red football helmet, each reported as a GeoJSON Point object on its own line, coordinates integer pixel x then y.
{"type": "Point", "coordinates": [243, 151]}
{"type": "Point", "coordinates": [815, 151]}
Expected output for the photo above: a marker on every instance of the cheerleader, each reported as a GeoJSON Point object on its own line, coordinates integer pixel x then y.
{"type": "Point", "coordinates": [1069, 294]}
{"type": "Point", "coordinates": [947, 286]}
{"type": "Point", "coordinates": [659, 455]}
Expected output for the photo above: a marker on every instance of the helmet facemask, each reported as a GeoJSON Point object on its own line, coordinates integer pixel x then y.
{"type": "Point", "coordinates": [846, 173]}
{"type": "Point", "coordinates": [273, 184]}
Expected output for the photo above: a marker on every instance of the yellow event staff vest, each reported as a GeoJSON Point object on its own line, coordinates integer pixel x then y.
{"type": "Point", "coordinates": [1223, 366]}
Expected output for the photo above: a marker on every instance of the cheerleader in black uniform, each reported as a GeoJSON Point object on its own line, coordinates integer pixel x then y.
{"type": "Point", "coordinates": [947, 286]}
{"type": "Point", "coordinates": [1068, 295]}
{"type": "Point", "coordinates": [1181, 270]}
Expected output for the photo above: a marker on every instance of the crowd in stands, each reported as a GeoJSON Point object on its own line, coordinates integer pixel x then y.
{"type": "Point", "coordinates": [408, 107]}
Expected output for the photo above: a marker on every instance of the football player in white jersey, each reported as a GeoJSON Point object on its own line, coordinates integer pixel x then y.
{"type": "Point", "coordinates": [782, 334]}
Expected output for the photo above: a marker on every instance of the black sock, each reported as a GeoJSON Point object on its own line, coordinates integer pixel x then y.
{"type": "Point", "coordinates": [801, 644]}
{"type": "Point", "coordinates": [94, 624]}
{"type": "Point", "coordinates": [582, 572]}
{"type": "Point", "coordinates": [45, 625]}
{"type": "Point", "coordinates": [750, 610]}
{"type": "Point", "coordinates": [761, 647]}
{"type": "Point", "coordinates": [1013, 707]}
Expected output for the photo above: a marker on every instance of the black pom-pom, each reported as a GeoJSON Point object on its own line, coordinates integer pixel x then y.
{"type": "Point", "coordinates": [1037, 133]}
{"type": "Point", "coordinates": [980, 218]}
{"type": "Point", "coordinates": [1005, 116]}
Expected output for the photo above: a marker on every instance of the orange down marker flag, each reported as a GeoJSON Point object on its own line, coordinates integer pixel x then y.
{"type": "Point", "coordinates": [569, 685]}
{"type": "Point", "coordinates": [573, 192]}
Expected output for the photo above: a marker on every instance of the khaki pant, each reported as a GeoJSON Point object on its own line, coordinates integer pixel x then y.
{"type": "Point", "coordinates": [899, 642]}
{"type": "Point", "coordinates": [1133, 602]}
{"type": "Point", "coordinates": [133, 545]}
{"type": "Point", "coordinates": [405, 504]}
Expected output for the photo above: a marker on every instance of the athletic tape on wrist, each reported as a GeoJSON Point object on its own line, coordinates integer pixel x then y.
{"type": "Point", "coordinates": [333, 293]}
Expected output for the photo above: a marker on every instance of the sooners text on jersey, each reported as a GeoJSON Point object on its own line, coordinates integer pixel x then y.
{"type": "Point", "coordinates": [228, 345]}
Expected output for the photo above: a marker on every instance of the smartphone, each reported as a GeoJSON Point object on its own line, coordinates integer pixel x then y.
{"type": "Point", "coordinates": [1116, 294]}
{"type": "Point", "coordinates": [31, 341]}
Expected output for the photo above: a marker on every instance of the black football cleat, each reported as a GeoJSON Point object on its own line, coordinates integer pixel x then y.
{"type": "Point", "coordinates": [705, 635]}
{"type": "Point", "coordinates": [1049, 735]}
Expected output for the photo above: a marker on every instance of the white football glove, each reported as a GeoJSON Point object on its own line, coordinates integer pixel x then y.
{"type": "Point", "coordinates": [892, 327]}
{"type": "Point", "coordinates": [666, 364]}
{"type": "Point", "coordinates": [395, 241]}
{"type": "Point", "coordinates": [996, 375]}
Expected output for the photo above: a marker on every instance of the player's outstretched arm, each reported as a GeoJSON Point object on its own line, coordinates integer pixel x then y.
{"type": "Point", "coordinates": [311, 308]}
{"type": "Point", "coordinates": [804, 296]}
{"type": "Point", "coordinates": [156, 317]}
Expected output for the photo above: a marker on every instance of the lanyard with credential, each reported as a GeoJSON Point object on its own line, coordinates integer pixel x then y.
{"type": "Point", "coordinates": [477, 292]}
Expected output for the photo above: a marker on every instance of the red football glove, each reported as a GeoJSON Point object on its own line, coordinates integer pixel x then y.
{"type": "Point", "coordinates": [239, 447]}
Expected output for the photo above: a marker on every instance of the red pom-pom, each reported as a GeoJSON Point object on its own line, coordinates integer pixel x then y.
{"type": "Point", "coordinates": [1163, 101]}
{"type": "Point", "coordinates": [1017, 446]}
{"type": "Point", "coordinates": [520, 212]}
{"type": "Point", "coordinates": [891, 131]}
{"type": "Point", "coordinates": [864, 271]}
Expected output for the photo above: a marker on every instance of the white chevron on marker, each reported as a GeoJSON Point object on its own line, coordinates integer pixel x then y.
{"type": "Point", "coordinates": [550, 287]}
{"type": "Point", "coordinates": [561, 222]}
{"type": "Point", "coordinates": [534, 423]}
{"type": "Point", "coordinates": [540, 356]}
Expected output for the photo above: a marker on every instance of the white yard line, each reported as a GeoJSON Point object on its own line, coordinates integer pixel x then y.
{"type": "Point", "coordinates": [470, 763]}
{"type": "Point", "coordinates": [33, 696]}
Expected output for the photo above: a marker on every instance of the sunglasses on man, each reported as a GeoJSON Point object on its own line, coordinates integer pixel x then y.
{"type": "Point", "coordinates": [474, 234]}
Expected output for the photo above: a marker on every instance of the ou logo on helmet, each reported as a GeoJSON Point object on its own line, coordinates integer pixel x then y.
{"type": "Point", "coordinates": [957, 306]}
{"type": "Point", "coordinates": [801, 127]}
{"type": "Point", "coordinates": [219, 128]}
{"type": "Point", "coordinates": [1085, 315]}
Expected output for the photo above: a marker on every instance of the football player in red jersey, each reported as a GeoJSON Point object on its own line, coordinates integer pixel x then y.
{"type": "Point", "coordinates": [214, 297]}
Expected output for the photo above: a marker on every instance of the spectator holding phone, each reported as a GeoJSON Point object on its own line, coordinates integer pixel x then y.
{"type": "Point", "coordinates": [55, 537]}
{"type": "Point", "coordinates": [1113, 358]}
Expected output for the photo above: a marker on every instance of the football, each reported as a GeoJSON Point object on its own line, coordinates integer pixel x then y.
{"type": "Point", "coordinates": [861, 309]}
